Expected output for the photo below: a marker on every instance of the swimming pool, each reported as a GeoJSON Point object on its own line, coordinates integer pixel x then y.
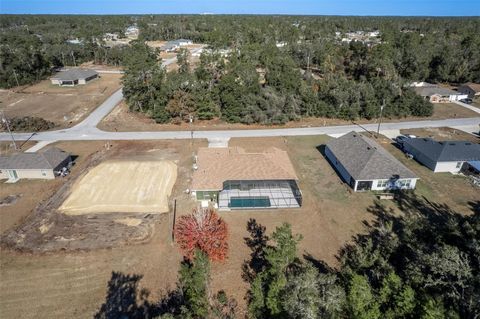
{"type": "Point", "coordinates": [250, 202]}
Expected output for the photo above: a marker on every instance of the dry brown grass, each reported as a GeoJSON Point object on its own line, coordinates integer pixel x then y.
{"type": "Point", "coordinates": [65, 106]}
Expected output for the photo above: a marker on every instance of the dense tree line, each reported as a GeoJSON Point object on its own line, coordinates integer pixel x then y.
{"type": "Point", "coordinates": [311, 73]}
{"type": "Point", "coordinates": [258, 84]}
{"type": "Point", "coordinates": [32, 46]}
{"type": "Point", "coordinates": [423, 263]}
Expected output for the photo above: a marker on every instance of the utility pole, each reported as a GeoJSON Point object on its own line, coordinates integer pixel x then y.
{"type": "Point", "coordinates": [16, 78]}
{"type": "Point", "coordinates": [380, 119]}
{"type": "Point", "coordinates": [4, 120]}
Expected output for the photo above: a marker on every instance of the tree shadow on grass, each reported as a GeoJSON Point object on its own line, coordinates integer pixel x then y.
{"type": "Point", "coordinates": [256, 242]}
{"type": "Point", "coordinates": [125, 299]}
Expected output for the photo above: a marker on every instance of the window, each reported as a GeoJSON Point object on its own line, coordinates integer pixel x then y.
{"type": "Point", "coordinates": [382, 183]}
{"type": "Point", "coordinates": [459, 164]}
{"type": "Point", "coordinates": [404, 183]}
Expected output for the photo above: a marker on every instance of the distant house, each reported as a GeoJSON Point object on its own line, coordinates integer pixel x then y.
{"type": "Point", "coordinates": [437, 94]}
{"type": "Point", "coordinates": [444, 156]}
{"type": "Point", "coordinates": [365, 165]}
{"type": "Point", "coordinates": [41, 165]}
{"type": "Point", "coordinates": [132, 31]}
{"type": "Point", "coordinates": [171, 46]}
{"type": "Point", "coordinates": [231, 178]}
{"type": "Point", "coordinates": [75, 41]}
{"type": "Point", "coordinates": [73, 77]}
{"type": "Point", "coordinates": [471, 89]}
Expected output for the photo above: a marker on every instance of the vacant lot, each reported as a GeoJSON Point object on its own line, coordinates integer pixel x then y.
{"type": "Point", "coordinates": [66, 283]}
{"type": "Point", "coordinates": [65, 106]}
{"type": "Point", "coordinates": [123, 120]}
{"type": "Point", "coordinates": [123, 186]}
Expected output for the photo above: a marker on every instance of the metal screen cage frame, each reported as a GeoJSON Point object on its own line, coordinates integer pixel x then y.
{"type": "Point", "coordinates": [281, 194]}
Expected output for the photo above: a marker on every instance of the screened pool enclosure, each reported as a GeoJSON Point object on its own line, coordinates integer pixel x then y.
{"type": "Point", "coordinates": [259, 194]}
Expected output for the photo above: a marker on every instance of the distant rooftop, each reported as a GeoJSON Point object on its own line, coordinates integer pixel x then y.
{"type": "Point", "coordinates": [445, 151]}
{"type": "Point", "coordinates": [48, 159]}
{"type": "Point", "coordinates": [74, 74]}
{"type": "Point", "coordinates": [365, 159]}
{"type": "Point", "coordinates": [432, 90]}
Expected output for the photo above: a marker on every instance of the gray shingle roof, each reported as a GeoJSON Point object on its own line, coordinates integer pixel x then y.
{"type": "Point", "coordinates": [365, 159]}
{"type": "Point", "coordinates": [49, 159]}
{"type": "Point", "coordinates": [445, 151]}
{"type": "Point", "coordinates": [74, 74]}
{"type": "Point", "coordinates": [432, 90]}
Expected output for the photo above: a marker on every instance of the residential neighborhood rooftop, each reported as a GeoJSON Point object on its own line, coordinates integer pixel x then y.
{"type": "Point", "coordinates": [365, 159]}
{"type": "Point", "coordinates": [432, 90]}
{"type": "Point", "coordinates": [48, 159]}
{"type": "Point", "coordinates": [446, 151]}
{"type": "Point", "coordinates": [217, 165]}
{"type": "Point", "coordinates": [473, 86]}
{"type": "Point", "coordinates": [74, 74]}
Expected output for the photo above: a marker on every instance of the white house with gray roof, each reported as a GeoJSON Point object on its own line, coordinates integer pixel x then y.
{"type": "Point", "coordinates": [443, 156]}
{"type": "Point", "coordinates": [73, 77]}
{"type": "Point", "coordinates": [41, 165]}
{"type": "Point", "coordinates": [437, 94]}
{"type": "Point", "coordinates": [171, 46]}
{"type": "Point", "coordinates": [365, 165]}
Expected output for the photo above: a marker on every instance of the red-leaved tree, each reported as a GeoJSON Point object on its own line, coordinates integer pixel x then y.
{"type": "Point", "coordinates": [204, 230]}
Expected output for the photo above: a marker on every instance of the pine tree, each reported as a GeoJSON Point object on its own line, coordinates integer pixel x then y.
{"type": "Point", "coordinates": [194, 283]}
{"type": "Point", "coordinates": [361, 300]}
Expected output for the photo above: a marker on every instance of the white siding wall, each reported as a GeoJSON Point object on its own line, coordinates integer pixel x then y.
{"type": "Point", "coordinates": [458, 97]}
{"type": "Point", "coordinates": [30, 174]}
{"type": "Point", "coordinates": [55, 82]}
{"type": "Point", "coordinates": [450, 167]}
{"type": "Point", "coordinates": [82, 81]}
{"type": "Point", "coordinates": [343, 172]}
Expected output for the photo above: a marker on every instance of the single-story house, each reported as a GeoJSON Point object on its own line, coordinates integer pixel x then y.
{"type": "Point", "coordinates": [41, 165]}
{"type": "Point", "coordinates": [436, 94]}
{"type": "Point", "coordinates": [230, 178]}
{"type": "Point", "coordinates": [73, 77]}
{"type": "Point", "coordinates": [444, 156]}
{"type": "Point", "coordinates": [365, 165]}
{"type": "Point", "coordinates": [471, 89]}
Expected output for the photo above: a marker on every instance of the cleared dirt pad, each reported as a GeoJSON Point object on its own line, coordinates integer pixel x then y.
{"type": "Point", "coordinates": [123, 186]}
{"type": "Point", "coordinates": [65, 106]}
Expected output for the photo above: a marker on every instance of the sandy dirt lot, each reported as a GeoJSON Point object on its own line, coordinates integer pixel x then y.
{"type": "Point", "coordinates": [123, 120]}
{"type": "Point", "coordinates": [123, 186]}
{"type": "Point", "coordinates": [65, 106]}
